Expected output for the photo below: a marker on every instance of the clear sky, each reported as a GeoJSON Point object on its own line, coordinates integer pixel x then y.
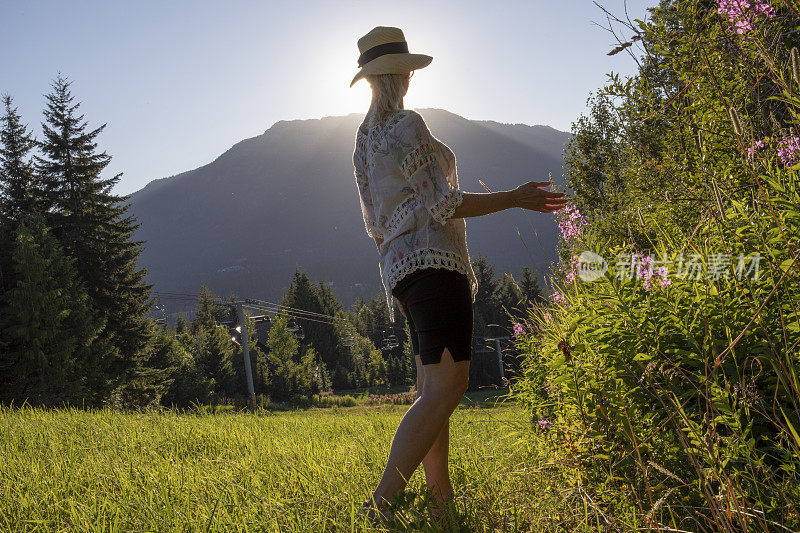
{"type": "Point", "coordinates": [178, 82]}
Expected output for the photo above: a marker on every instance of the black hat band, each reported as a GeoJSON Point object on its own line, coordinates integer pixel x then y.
{"type": "Point", "coordinates": [382, 49]}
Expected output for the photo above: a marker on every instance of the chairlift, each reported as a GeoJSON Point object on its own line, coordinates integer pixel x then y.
{"type": "Point", "coordinates": [348, 338]}
{"type": "Point", "coordinates": [295, 329]}
{"type": "Point", "coordinates": [393, 341]}
{"type": "Point", "coordinates": [389, 342]}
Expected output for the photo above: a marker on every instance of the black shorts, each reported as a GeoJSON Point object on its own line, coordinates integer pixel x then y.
{"type": "Point", "coordinates": [438, 307]}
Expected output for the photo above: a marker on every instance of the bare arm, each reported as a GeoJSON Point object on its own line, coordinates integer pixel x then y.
{"type": "Point", "coordinates": [477, 204]}
{"type": "Point", "coordinates": [529, 195]}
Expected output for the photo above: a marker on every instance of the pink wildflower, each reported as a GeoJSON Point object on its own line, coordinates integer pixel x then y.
{"type": "Point", "coordinates": [740, 15]}
{"type": "Point", "coordinates": [559, 298]}
{"type": "Point", "coordinates": [662, 273]}
{"type": "Point", "coordinates": [573, 270]}
{"type": "Point", "coordinates": [518, 329]}
{"type": "Point", "coordinates": [789, 150]}
{"type": "Point", "coordinates": [764, 9]}
{"type": "Point", "coordinates": [646, 270]}
{"type": "Point", "coordinates": [752, 150]}
{"type": "Point", "coordinates": [573, 223]}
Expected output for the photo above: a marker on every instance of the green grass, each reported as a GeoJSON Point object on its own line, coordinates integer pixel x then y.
{"type": "Point", "coordinates": [303, 470]}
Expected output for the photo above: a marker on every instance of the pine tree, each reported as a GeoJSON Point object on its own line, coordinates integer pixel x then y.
{"type": "Point", "coordinates": [18, 194]}
{"type": "Point", "coordinates": [529, 284]}
{"type": "Point", "coordinates": [51, 335]}
{"type": "Point", "coordinates": [486, 305]}
{"type": "Point", "coordinates": [208, 311]}
{"type": "Point", "coordinates": [93, 228]}
{"type": "Point", "coordinates": [216, 359]}
{"type": "Point", "coordinates": [17, 177]}
{"type": "Point", "coordinates": [305, 295]}
{"type": "Point", "coordinates": [181, 324]}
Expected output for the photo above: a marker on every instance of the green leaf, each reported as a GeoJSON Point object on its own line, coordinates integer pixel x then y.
{"type": "Point", "coordinates": [561, 379]}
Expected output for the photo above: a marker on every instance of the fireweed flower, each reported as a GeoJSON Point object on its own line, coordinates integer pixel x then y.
{"type": "Point", "coordinates": [763, 8]}
{"type": "Point", "coordinates": [740, 14]}
{"type": "Point", "coordinates": [661, 272]}
{"type": "Point", "coordinates": [544, 423]}
{"type": "Point", "coordinates": [558, 298]}
{"type": "Point", "coordinates": [518, 329]}
{"type": "Point", "coordinates": [573, 270]}
{"type": "Point", "coordinates": [789, 150]}
{"type": "Point", "coordinates": [646, 270]}
{"type": "Point", "coordinates": [573, 222]}
{"type": "Point", "coordinates": [752, 150]}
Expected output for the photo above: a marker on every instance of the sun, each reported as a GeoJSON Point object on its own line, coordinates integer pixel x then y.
{"type": "Point", "coordinates": [343, 99]}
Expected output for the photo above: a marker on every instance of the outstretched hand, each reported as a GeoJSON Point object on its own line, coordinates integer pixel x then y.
{"type": "Point", "coordinates": [531, 196]}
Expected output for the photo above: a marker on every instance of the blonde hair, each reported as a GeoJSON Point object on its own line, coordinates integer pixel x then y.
{"type": "Point", "coordinates": [387, 96]}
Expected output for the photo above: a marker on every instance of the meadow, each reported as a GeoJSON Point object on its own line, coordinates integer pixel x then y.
{"type": "Point", "coordinates": [292, 470]}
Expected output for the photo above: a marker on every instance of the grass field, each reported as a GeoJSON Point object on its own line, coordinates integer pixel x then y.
{"type": "Point", "coordinates": [302, 470]}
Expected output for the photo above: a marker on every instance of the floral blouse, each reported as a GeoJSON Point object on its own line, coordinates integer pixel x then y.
{"type": "Point", "coordinates": [407, 183]}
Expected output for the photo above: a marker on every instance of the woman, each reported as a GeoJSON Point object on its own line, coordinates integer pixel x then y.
{"type": "Point", "coordinates": [412, 206]}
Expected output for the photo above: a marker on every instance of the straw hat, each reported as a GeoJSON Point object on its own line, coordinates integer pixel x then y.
{"type": "Point", "coordinates": [384, 51]}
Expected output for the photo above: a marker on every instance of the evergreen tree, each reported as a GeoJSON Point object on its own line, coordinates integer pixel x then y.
{"type": "Point", "coordinates": [214, 357]}
{"type": "Point", "coordinates": [50, 334]}
{"type": "Point", "coordinates": [213, 351]}
{"type": "Point", "coordinates": [305, 295]}
{"type": "Point", "coordinates": [208, 310]}
{"type": "Point", "coordinates": [93, 228]}
{"type": "Point", "coordinates": [511, 301]}
{"type": "Point", "coordinates": [155, 377]}
{"type": "Point", "coordinates": [181, 324]}
{"type": "Point", "coordinates": [486, 305]}
{"type": "Point", "coordinates": [529, 285]}
{"type": "Point", "coordinates": [17, 183]}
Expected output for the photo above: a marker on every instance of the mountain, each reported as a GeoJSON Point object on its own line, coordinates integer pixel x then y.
{"type": "Point", "coordinates": [287, 198]}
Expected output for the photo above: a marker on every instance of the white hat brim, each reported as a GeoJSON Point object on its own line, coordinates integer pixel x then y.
{"type": "Point", "coordinates": [393, 64]}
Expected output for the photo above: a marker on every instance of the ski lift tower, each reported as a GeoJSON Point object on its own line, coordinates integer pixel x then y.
{"type": "Point", "coordinates": [246, 352]}
{"type": "Point", "coordinates": [499, 354]}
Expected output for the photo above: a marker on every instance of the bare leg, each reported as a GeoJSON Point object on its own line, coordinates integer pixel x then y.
{"type": "Point", "coordinates": [437, 473]}
{"type": "Point", "coordinates": [445, 384]}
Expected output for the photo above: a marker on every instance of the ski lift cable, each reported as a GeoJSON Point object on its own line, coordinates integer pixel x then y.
{"type": "Point", "coordinates": [312, 313]}
{"type": "Point", "coordinates": [290, 313]}
{"type": "Point", "coordinates": [282, 312]}
{"type": "Point", "coordinates": [270, 305]}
